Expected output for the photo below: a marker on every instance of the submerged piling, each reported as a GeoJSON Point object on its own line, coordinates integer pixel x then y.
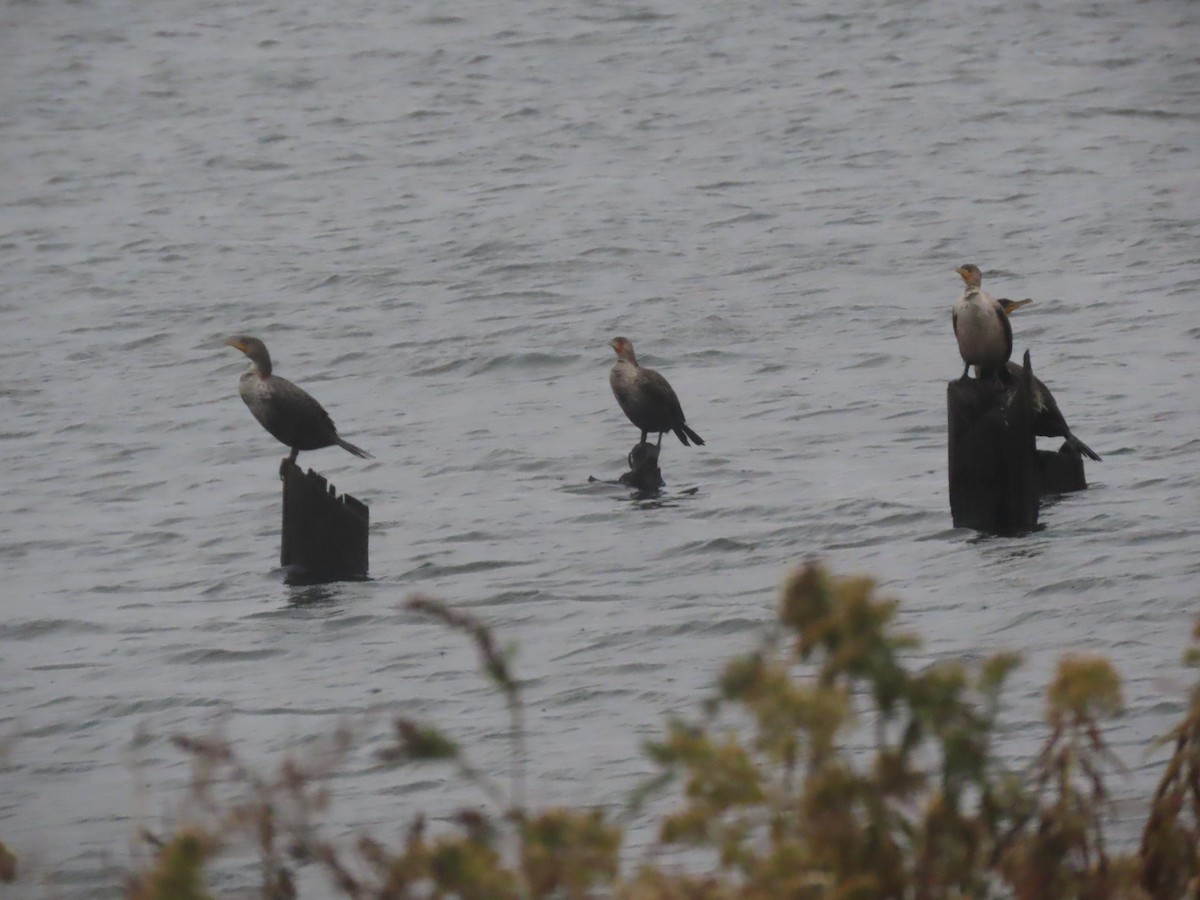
{"type": "Point", "coordinates": [324, 534]}
{"type": "Point", "coordinates": [994, 482]}
{"type": "Point", "coordinates": [1060, 472]}
{"type": "Point", "coordinates": [644, 473]}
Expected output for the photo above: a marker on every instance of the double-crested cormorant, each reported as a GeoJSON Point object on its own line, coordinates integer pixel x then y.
{"type": "Point", "coordinates": [1048, 420]}
{"type": "Point", "coordinates": [1009, 307]}
{"type": "Point", "coordinates": [646, 397]}
{"type": "Point", "coordinates": [289, 413]}
{"type": "Point", "coordinates": [980, 325]}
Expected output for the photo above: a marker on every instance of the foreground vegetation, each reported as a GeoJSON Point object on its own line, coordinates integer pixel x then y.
{"type": "Point", "coordinates": [825, 766]}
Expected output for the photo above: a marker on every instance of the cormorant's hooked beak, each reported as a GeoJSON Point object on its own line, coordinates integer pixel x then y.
{"type": "Point", "coordinates": [235, 344]}
{"type": "Point", "coordinates": [964, 274]}
{"type": "Point", "coordinates": [1011, 306]}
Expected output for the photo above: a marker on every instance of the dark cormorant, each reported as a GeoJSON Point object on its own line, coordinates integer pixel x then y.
{"type": "Point", "coordinates": [1048, 420]}
{"type": "Point", "coordinates": [646, 397]}
{"type": "Point", "coordinates": [289, 413]}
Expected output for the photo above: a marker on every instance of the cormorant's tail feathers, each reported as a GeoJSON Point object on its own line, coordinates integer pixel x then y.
{"type": "Point", "coordinates": [357, 451]}
{"type": "Point", "coordinates": [1082, 447]}
{"type": "Point", "coordinates": [683, 433]}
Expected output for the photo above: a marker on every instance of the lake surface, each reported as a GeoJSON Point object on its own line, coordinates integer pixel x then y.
{"type": "Point", "coordinates": [437, 217]}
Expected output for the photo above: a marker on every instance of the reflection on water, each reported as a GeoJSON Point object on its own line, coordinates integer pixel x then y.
{"type": "Point", "coordinates": [661, 499]}
{"type": "Point", "coordinates": [301, 576]}
{"type": "Point", "coordinates": [311, 593]}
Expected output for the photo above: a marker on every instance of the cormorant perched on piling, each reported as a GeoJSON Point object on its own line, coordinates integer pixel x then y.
{"type": "Point", "coordinates": [646, 397]}
{"type": "Point", "coordinates": [289, 413]}
{"type": "Point", "coordinates": [1009, 307]}
{"type": "Point", "coordinates": [980, 325]}
{"type": "Point", "coordinates": [1048, 420]}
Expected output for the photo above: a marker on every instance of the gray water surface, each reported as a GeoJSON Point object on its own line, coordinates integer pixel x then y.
{"type": "Point", "coordinates": [436, 217]}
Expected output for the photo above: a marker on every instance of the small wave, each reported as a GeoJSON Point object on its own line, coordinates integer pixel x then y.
{"type": "Point", "coordinates": [38, 628]}
{"type": "Point", "coordinates": [208, 655]}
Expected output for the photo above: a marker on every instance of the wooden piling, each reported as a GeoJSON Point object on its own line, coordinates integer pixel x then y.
{"type": "Point", "coordinates": [1061, 472]}
{"type": "Point", "coordinates": [643, 473]}
{"type": "Point", "coordinates": [993, 470]}
{"type": "Point", "coordinates": [323, 534]}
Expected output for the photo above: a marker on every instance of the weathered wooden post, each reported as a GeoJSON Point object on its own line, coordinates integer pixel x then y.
{"type": "Point", "coordinates": [993, 468]}
{"type": "Point", "coordinates": [643, 473]}
{"type": "Point", "coordinates": [323, 534]}
{"type": "Point", "coordinates": [1060, 472]}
